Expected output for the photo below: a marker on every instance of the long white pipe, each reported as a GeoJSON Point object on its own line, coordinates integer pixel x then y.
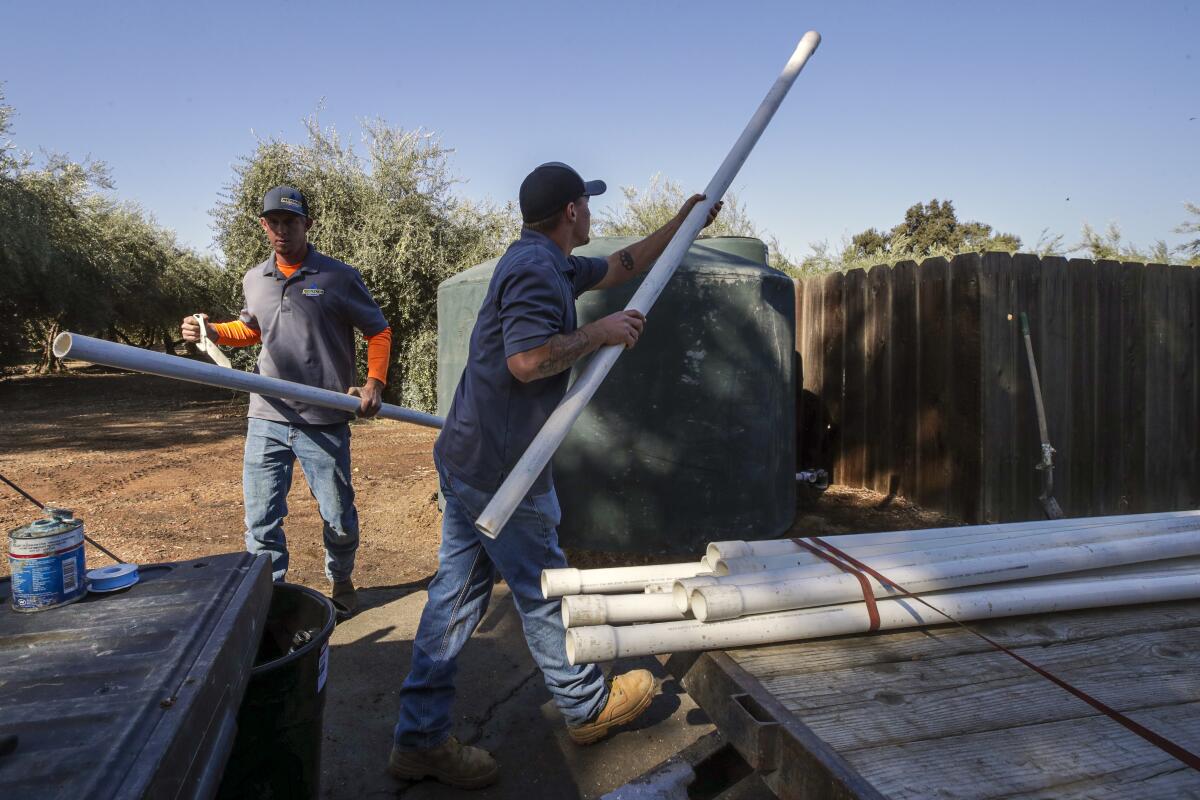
{"type": "Point", "coordinates": [542, 448]}
{"type": "Point", "coordinates": [111, 354]}
{"type": "Point", "coordinates": [1190, 525]}
{"type": "Point", "coordinates": [797, 567]}
{"type": "Point", "coordinates": [618, 609]}
{"type": "Point", "coordinates": [613, 580]}
{"type": "Point", "coordinates": [606, 642]}
{"type": "Point", "coordinates": [778, 547]}
{"type": "Point", "coordinates": [710, 603]}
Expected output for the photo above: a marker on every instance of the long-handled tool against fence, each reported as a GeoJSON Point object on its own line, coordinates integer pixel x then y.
{"type": "Point", "coordinates": [1046, 465]}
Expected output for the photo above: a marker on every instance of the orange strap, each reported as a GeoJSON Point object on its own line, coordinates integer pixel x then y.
{"type": "Point", "coordinates": [1158, 740]}
{"type": "Point", "coordinates": [868, 595]}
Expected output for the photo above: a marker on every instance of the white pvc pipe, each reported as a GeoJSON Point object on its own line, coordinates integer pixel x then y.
{"type": "Point", "coordinates": [111, 354]}
{"type": "Point", "coordinates": [806, 566]}
{"type": "Point", "coordinates": [605, 642]}
{"type": "Point", "coordinates": [613, 580]}
{"type": "Point", "coordinates": [777, 547]}
{"type": "Point", "coordinates": [710, 603]}
{"type": "Point", "coordinates": [1028, 541]}
{"type": "Point", "coordinates": [542, 448]}
{"type": "Point", "coordinates": [618, 609]}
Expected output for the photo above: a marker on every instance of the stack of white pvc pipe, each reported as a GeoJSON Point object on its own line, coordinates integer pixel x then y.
{"type": "Point", "coordinates": [745, 593]}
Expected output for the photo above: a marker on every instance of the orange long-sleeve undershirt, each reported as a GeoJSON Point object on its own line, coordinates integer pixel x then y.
{"type": "Point", "coordinates": [239, 334]}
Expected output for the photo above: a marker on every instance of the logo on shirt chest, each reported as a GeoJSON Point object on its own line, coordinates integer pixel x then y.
{"type": "Point", "coordinates": [312, 291]}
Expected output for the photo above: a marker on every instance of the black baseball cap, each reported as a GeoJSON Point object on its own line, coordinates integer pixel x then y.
{"type": "Point", "coordinates": [284, 198]}
{"type": "Point", "coordinates": [550, 187]}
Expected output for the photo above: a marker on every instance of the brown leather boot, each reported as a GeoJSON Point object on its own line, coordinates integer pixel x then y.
{"type": "Point", "coordinates": [452, 763]}
{"type": "Point", "coordinates": [345, 599]}
{"type": "Point", "coordinates": [628, 696]}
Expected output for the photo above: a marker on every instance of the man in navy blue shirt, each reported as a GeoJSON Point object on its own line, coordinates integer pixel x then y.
{"type": "Point", "coordinates": [523, 345]}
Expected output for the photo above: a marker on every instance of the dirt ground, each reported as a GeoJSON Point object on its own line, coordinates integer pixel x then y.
{"type": "Point", "coordinates": [153, 467]}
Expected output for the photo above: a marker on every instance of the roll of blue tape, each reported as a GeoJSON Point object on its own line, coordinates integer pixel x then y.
{"type": "Point", "coordinates": [111, 578]}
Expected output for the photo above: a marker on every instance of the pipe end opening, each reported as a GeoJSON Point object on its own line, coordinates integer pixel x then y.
{"type": "Point", "coordinates": [680, 595]}
{"type": "Point", "coordinates": [62, 345]}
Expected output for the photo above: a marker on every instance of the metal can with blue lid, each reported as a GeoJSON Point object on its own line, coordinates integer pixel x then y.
{"type": "Point", "coordinates": [46, 561]}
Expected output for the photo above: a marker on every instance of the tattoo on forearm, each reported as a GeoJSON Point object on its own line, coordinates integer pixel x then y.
{"type": "Point", "coordinates": [626, 260]}
{"type": "Point", "coordinates": [564, 350]}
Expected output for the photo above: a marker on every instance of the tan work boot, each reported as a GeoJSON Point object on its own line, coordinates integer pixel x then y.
{"type": "Point", "coordinates": [452, 763]}
{"type": "Point", "coordinates": [345, 599]}
{"type": "Point", "coordinates": [628, 696]}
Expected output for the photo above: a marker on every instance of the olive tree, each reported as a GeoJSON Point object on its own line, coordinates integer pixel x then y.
{"type": "Point", "coordinates": [392, 212]}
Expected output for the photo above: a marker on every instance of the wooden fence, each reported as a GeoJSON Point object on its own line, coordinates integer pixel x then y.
{"type": "Point", "coordinates": [916, 383]}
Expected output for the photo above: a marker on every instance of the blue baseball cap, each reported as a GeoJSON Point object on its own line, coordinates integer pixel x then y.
{"type": "Point", "coordinates": [550, 187]}
{"type": "Point", "coordinates": [284, 198]}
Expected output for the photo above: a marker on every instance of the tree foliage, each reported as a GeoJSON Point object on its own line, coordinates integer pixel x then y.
{"type": "Point", "coordinates": [1191, 226]}
{"type": "Point", "coordinates": [392, 213]}
{"type": "Point", "coordinates": [645, 211]}
{"type": "Point", "coordinates": [933, 228]}
{"type": "Point", "coordinates": [74, 258]}
{"type": "Point", "coordinates": [1112, 245]}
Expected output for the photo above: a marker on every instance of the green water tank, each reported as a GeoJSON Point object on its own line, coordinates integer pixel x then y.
{"type": "Point", "coordinates": [691, 438]}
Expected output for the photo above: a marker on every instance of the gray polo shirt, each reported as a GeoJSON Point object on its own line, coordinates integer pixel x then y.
{"type": "Point", "coordinates": [307, 325]}
{"type": "Point", "coordinates": [494, 416]}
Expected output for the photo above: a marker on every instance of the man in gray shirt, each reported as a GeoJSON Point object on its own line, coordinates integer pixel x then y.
{"type": "Point", "coordinates": [303, 307]}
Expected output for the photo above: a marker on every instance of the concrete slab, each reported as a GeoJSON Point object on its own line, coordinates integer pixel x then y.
{"type": "Point", "coordinates": [502, 706]}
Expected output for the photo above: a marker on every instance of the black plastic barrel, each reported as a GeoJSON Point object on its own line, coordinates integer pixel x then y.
{"type": "Point", "coordinates": [277, 753]}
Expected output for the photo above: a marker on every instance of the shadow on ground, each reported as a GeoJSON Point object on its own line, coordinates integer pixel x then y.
{"type": "Point", "coordinates": [120, 409]}
{"type": "Point", "coordinates": [502, 706]}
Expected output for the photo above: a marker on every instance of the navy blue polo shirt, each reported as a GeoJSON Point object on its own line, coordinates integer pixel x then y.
{"type": "Point", "coordinates": [307, 324]}
{"type": "Point", "coordinates": [494, 416]}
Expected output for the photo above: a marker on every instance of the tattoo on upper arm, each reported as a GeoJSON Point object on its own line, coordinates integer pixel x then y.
{"type": "Point", "coordinates": [626, 260]}
{"type": "Point", "coordinates": [563, 350]}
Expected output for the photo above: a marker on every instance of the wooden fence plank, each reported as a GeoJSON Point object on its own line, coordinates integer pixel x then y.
{"type": "Point", "coordinates": [1182, 361]}
{"type": "Point", "coordinates": [965, 435]}
{"type": "Point", "coordinates": [1028, 272]}
{"type": "Point", "coordinates": [1194, 498]}
{"type": "Point", "coordinates": [1055, 353]}
{"type": "Point", "coordinates": [1133, 390]}
{"type": "Point", "coordinates": [854, 397]}
{"type": "Point", "coordinates": [879, 379]}
{"type": "Point", "coordinates": [801, 402]}
{"type": "Point", "coordinates": [933, 348]}
{"type": "Point", "coordinates": [1106, 492]}
{"type": "Point", "coordinates": [814, 453]}
{"type": "Point", "coordinates": [832, 345]}
{"type": "Point", "coordinates": [1156, 290]}
{"type": "Point", "coordinates": [998, 296]}
{"type": "Point", "coordinates": [1082, 277]}
{"type": "Point", "coordinates": [905, 377]}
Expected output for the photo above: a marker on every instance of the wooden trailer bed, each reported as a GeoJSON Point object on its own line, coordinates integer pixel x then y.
{"type": "Point", "coordinates": [938, 713]}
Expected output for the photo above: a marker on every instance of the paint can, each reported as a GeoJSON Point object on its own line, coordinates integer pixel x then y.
{"type": "Point", "coordinates": [46, 561]}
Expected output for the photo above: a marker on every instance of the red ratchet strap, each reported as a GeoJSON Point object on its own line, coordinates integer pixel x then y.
{"type": "Point", "coordinates": [1159, 741]}
{"type": "Point", "coordinates": [868, 594]}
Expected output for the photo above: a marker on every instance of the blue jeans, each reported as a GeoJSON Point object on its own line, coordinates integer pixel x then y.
{"type": "Point", "coordinates": [458, 598]}
{"type": "Point", "coordinates": [272, 449]}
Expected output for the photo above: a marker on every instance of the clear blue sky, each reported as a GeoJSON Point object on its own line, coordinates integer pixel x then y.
{"type": "Point", "coordinates": [1006, 108]}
